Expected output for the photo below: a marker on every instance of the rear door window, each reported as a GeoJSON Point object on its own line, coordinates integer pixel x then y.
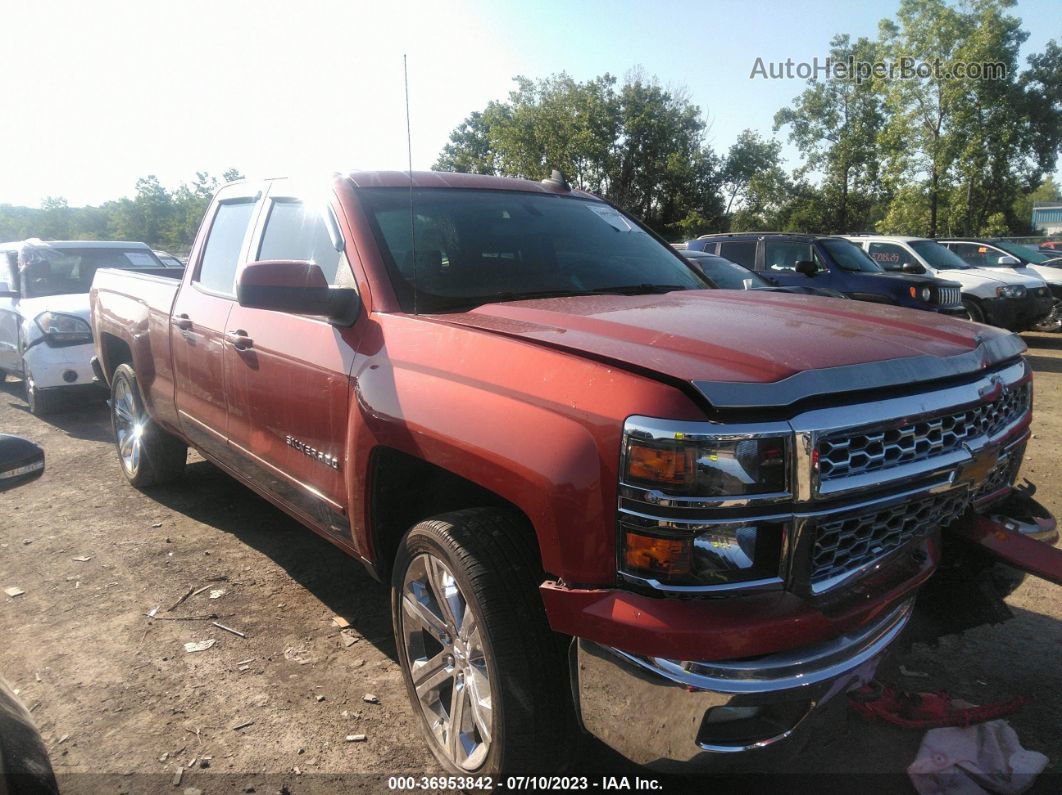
{"type": "Point", "coordinates": [221, 255]}
{"type": "Point", "coordinates": [743, 252]}
{"type": "Point", "coordinates": [294, 231]}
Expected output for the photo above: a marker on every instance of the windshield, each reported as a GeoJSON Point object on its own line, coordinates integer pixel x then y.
{"type": "Point", "coordinates": [1025, 253]}
{"type": "Point", "coordinates": [937, 255]}
{"type": "Point", "coordinates": [726, 274]}
{"type": "Point", "coordinates": [481, 246]}
{"type": "Point", "coordinates": [58, 271]}
{"type": "Point", "coordinates": [849, 256]}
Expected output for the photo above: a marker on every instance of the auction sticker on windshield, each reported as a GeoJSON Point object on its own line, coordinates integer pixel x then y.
{"type": "Point", "coordinates": [611, 216]}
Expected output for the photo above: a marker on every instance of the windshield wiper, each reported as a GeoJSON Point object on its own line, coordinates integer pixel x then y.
{"type": "Point", "coordinates": [641, 289]}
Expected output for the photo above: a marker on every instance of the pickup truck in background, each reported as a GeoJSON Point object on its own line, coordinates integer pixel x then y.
{"type": "Point", "coordinates": [604, 495]}
{"type": "Point", "coordinates": [44, 311]}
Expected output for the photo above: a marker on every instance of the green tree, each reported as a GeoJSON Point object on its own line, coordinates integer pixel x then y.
{"type": "Point", "coordinates": [637, 144]}
{"type": "Point", "coordinates": [835, 124]}
{"type": "Point", "coordinates": [54, 222]}
{"type": "Point", "coordinates": [920, 138]}
{"type": "Point", "coordinates": [751, 164]}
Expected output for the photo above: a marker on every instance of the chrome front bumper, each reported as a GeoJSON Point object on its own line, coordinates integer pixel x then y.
{"type": "Point", "coordinates": [671, 716]}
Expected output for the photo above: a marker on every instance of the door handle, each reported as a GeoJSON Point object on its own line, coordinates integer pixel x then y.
{"type": "Point", "coordinates": [239, 339]}
{"type": "Point", "coordinates": [182, 322]}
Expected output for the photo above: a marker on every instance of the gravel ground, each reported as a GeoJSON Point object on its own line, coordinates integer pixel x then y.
{"type": "Point", "coordinates": [122, 706]}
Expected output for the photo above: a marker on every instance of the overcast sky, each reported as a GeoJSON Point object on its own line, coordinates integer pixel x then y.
{"type": "Point", "coordinates": [96, 94]}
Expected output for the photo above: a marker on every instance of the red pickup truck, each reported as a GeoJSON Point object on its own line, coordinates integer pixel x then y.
{"type": "Point", "coordinates": [605, 495]}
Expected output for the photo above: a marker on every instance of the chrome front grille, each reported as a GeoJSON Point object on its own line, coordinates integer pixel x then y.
{"type": "Point", "coordinates": [846, 454]}
{"type": "Point", "coordinates": [948, 296]}
{"type": "Point", "coordinates": [845, 545]}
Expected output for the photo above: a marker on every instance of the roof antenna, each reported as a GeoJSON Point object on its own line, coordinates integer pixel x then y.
{"type": "Point", "coordinates": [412, 214]}
{"type": "Point", "coordinates": [557, 180]}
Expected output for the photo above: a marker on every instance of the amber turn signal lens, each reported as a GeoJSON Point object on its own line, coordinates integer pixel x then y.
{"type": "Point", "coordinates": [673, 466]}
{"type": "Point", "coordinates": [665, 557]}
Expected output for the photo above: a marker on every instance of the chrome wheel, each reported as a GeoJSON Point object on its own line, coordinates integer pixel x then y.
{"type": "Point", "coordinates": [447, 662]}
{"type": "Point", "coordinates": [128, 426]}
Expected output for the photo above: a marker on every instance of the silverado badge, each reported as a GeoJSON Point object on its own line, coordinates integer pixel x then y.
{"type": "Point", "coordinates": [312, 452]}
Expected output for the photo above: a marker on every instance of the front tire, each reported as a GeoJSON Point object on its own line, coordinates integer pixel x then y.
{"type": "Point", "coordinates": [974, 311]}
{"type": "Point", "coordinates": [149, 456]}
{"type": "Point", "coordinates": [41, 402]}
{"type": "Point", "coordinates": [484, 672]}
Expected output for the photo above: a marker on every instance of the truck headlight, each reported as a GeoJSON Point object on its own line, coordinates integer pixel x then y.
{"type": "Point", "coordinates": [674, 470]}
{"type": "Point", "coordinates": [708, 467]}
{"type": "Point", "coordinates": [62, 330]}
{"type": "Point", "coordinates": [712, 554]}
{"type": "Point", "coordinates": [1011, 291]}
{"type": "Point", "coordinates": [924, 293]}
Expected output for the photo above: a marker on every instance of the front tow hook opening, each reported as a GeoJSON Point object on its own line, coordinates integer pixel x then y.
{"type": "Point", "coordinates": [733, 729]}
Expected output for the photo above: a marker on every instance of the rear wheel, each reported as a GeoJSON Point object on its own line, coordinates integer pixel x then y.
{"type": "Point", "coordinates": [483, 671]}
{"type": "Point", "coordinates": [974, 311]}
{"type": "Point", "coordinates": [149, 456]}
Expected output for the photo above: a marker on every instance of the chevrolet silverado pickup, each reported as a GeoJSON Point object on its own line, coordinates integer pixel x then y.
{"type": "Point", "coordinates": [604, 494]}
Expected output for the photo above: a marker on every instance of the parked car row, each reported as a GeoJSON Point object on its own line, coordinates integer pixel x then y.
{"type": "Point", "coordinates": [990, 282]}
{"type": "Point", "coordinates": [833, 263]}
{"type": "Point", "coordinates": [604, 496]}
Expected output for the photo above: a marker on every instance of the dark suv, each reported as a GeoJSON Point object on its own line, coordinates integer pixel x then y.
{"type": "Point", "coordinates": [833, 263]}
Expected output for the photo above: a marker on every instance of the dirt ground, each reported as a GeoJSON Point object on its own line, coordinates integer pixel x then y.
{"type": "Point", "coordinates": [122, 706]}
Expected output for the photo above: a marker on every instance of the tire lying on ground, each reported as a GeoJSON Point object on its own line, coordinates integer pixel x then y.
{"type": "Point", "coordinates": [149, 456]}
{"type": "Point", "coordinates": [484, 673]}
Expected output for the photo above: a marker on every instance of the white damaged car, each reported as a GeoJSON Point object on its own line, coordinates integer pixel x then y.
{"type": "Point", "coordinates": [45, 337]}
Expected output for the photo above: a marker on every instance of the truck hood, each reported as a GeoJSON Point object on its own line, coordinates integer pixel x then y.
{"type": "Point", "coordinates": [735, 338]}
{"type": "Point", "coordinates": [76, 304]}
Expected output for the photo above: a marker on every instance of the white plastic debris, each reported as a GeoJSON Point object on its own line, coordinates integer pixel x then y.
{"type": "Point", "coordinates": [13, 591]}
{"type": "Point", "coordinates": [962, 761]}
{"type": "Point", "coordinates": [202, 645]}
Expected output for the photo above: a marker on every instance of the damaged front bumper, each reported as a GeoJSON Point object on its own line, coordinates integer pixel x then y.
{"type": "Point", "coordinates": [674, 715]}
{"type": "Point", "coordinates": [1018, 532]}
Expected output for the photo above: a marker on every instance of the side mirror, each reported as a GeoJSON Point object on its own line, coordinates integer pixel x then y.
{"type": "Point", "coordinates": [1008, 260]}
{"type": "Point", "coordinates": [297, 287]}
{"type": "Point", "coordinates": [912, 267]}
{"type": "Point", "coordinates": [806, 267]}
{"type": "Point", "coordinates": [20, 461]}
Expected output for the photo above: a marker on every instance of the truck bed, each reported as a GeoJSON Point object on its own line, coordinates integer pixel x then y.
{"type": "Point", "coordinates": [131, 320]}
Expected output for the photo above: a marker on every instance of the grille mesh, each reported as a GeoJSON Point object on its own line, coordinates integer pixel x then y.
{"type": "Point", "coordinates": [847, 454]}
{"type": "Point", "coordinates": [844, 545]}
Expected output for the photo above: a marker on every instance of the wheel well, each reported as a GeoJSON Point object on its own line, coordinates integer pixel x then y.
{"type": "Point", "coordinates": [115, 352]}
{"type": "Point", "coordinates": [405, 490]}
